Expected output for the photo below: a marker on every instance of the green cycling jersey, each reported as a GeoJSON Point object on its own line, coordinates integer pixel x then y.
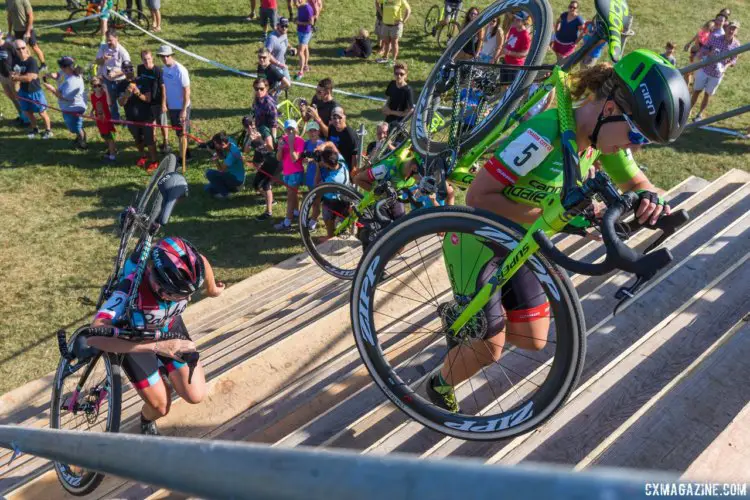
{"type": "Point", "coordinates": [530, 161]}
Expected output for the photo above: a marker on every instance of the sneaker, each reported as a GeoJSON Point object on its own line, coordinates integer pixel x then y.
{"type": "Point", "coordinates": [381, 60]}
{"type": "Point", "coordinates": [299, 75]}
{"type": "Point", "coordinates": [33, 133]}
{"type": "Point", "coordinates": [152, 166]}
{"type": "Point", "coordinates": [141, 162]}
{"type": "Point", "coordinates": [18, 122]}
{"type": "Point", "coordinates": [43, 67]}
{"type": "Point", "coordinates": [312, 224]}
{"type": "Point", "coordinates": [263, 202]}
{"type": "Point", "coordinates": [47, 134]}
{"type": "Point", "coordinates": [82, 144]}
{"type": "Point", "coordinates": [110, 158]}
{"type": "Point", "coordinates": [149, 428]}
{"type": "Point", "coordinates": [296, 214]}
{"type": "Point", "coordinates": [220, 196]}
{"type": "Point", "coordinates": [251, 17]}
{"type": "Point", "coordinates": [281, 226]}
{"type": "Point", "coordinates": [264, 216]}
{"type": "Point", "coordinates": [442, 395]}
{"type": "Point", "coordinates": [697, 118]}
{"type": "Point", "coordinates": [165, 149]}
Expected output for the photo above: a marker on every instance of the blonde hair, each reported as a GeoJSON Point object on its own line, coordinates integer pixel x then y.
{"type": "Point", "coordinates": [364, 33]}
{"type": "Point", "coordinates": [709, 26]}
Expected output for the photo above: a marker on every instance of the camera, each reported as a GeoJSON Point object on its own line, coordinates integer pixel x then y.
{"type": "Point", "coordinates": [316, 156]}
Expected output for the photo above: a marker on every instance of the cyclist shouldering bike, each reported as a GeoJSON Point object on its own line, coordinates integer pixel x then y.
{"type": "Point", "coordinates": [174, 272]}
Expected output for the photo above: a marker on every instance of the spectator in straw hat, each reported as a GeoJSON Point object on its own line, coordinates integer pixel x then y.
{"type": "Point", "coordinates": [71, 97]}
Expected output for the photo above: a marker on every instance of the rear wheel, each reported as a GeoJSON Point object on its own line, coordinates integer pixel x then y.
{"type": "Point", "coordinates": [333, 244]}
{"type": "Point", "coordinates": [136, 17]}
{"type": "Point", "coordinates": [479, 97]}
{"type": "Point", "coordinates": [86, 396]}
{"type": "Point", "coordinates": [413, 284]}
{"type": "Point", "coordinates": [87, 27]}
{"type": "Point", "coordinates": [446, 35]}
{"type": "Point", "coordinates": [431, 20]}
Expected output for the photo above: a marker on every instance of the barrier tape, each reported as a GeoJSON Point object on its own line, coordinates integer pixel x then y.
{"type": "Point", "coordinates": [219, 65]}
{"type": "Point", "coordinates": [66, 23]}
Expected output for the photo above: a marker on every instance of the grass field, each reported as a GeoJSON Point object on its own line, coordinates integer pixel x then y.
{"type": "Point", "coordinates": [57, 206]}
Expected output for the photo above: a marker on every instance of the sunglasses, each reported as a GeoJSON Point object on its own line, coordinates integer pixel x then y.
{"type": "Point", "coordinates": [262, 58]}
{"type": "Point", "coordinates": [258, 89]}
{"type": "Point", "coordinates": [400, 74]}
{"type": "Point", "coordinates": [337, 117]}
{"type": "Point", "coordinates": [635, 136]}
{"type": "Point", "coordinates": [570, 7]}
{"type": "Point", "coordinates": [98, 86]}
{"type": "Point", "coordinates": [158, 290]}
{"type": "Point", "coordinates": [21, 48]}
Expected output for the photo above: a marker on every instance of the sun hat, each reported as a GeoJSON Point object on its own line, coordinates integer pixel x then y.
{"type": "Point", "coordinates": [165, 50]}
{"type": "Point", "coordinates": [290, 124]}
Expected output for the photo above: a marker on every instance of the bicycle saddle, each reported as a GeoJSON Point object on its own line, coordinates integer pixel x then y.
{"type": "Point", "coordinates": [172, 187]}
{"type": "Point", "coordinates": [616, 16]}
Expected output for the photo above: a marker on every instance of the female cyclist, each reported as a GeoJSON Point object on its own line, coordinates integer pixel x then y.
{"type": "Point", "coordinates": [174, 272]}
{"type": "Point", "coordinates": [642, 99]}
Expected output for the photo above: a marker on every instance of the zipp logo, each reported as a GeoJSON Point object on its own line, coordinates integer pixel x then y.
{"type": "Point", "coordinates": [497, 424]}
{"type": "Point", "coordinates": [364, 302]}
{"type": "Point", "coordinates": [647, 96]}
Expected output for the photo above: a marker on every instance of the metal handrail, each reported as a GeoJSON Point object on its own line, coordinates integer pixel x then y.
{"type": "Point", "coordinates": [222, 469]}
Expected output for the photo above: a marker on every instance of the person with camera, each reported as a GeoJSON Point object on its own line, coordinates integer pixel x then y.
{"type": "Point", "coordinates": [230, 172]}
{"type": "Point", "coordinates": [312, 131]}
{"type": "Point", "coordinates": [332, 168]}
{"type": "Point", "coordinates": [71, 97]}
{"type": "Point", "coordinates": [260, 142]}
{"type": "Point", "coordinates": [322, 105]}
{"type": "Point", "coordinates": [134, 95]}
{"type": "Point", "coordinates": [290, 155]}
{"type": "Point", "coordinates": [110, 57]}
{"type": "Point", "coordinates": [31, 97]}
{"type": "Point", "coordinates": [345, 139]}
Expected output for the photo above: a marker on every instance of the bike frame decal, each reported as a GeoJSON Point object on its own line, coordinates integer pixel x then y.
{"type": "Point", "coordinates": [497, 424]}
{"type": "Point", "coordinates": [364, 302]}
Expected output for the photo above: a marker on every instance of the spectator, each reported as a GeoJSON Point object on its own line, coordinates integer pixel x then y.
{"type": "Point", "coordinates": [400, 96]}
{"type": "Point", "coordinates": [155, 76]}
{"type": "Point", "coordinates": [7, 61]}
{"type": "Point", "coordinates": [317, 6]}
{"type": "Point", "coordinates": [699, 40]}
{"type": "Point", "coordinates": [517, 45]}
{"type": "Point", "coordinates": [344, 138]}
{"type": "Point", "coordinates": [134, 95]}
{"type": "Point", "coordinates": [312, 131]}
{"type": "Point", "coordinates": [289, 153]}
{"type": "Point", "coordinates": [264, 160]}
{"type": "Point", "coordinates": [332, 169]}
{"type": "Point", "coordinates": [322, 105]}
{"type": "Point", "coordinates": [251, 16]}
{"type": "Point", "coordinates": [708, 78]}
{"type": "Point", "coordinates": [269, 16]}
{"type": "Point", "coordinates": [138, 3]}
{"type": "Point", "coordinates": [669, 53]}
{"type": "Point", "coordinates": [277, 44]}
{"type": "Point", "coordinates": [230, 172]}
{"type": "Point", "coordinates": [719, 22]}
{"type": "Point", "coordinates": [264, 106]}
{"type": "Point", "coordinates": [100, 105]}
{"type": "Point", "coordinates": [451, 9]}
{"type": "Point", "coordinates": [26, 71]}
{"type": "Point", "coordinates": [177, 90]}
{"type": "Point", "coordinates": [71, 98]}
{"type": "Point", "coordinates": [492, 44]}
{"type": "Point", "coordinates": [361, 46]}
{"type": "Point", "coordinates": [275, 76]}
{"type": "Point", "coordinates": [21, 24]}
{"type": "Point", "coordinates": [589, 31]}
{"type": "Point", "coordinates": [110, 57]}
{"type": "Point", "coordinates": [474, 45]}
{"type": "Point", "coordinates": [381, 134]}
{"type": "Point", "coordinates": [289, 5]}
{"type": "Point", "coordinates": [379, 28]}
{"type": "Point", "coordinates": [305, 21]}
{"type": "Point", "coordinates": [395, 14]}
{"type": "Point", "coordinates": [568, 31]}
{"type": "Point", "coordinates": [155, 7]}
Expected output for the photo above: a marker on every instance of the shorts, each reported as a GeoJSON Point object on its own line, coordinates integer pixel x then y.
{"type": "Point", "coordinates": [304, 38]}
{"type": "Point", "coordinates": [32, 36]}
{"type": "Point", "coordinates": [153, 4]}
{"type": "Point", "coordinates": [268, 16]}
{"type": "Point", "coordinates": [294, 180]}
{"type": "Point", "coordinates": [33, 107]}
{"type": "Point", "coordinates": [145, 369]}
{"type": "Point", "coordinates": [394, 31]}
{"type": "Point", "coordinates": [563, 49]}
{"type": "Point", "coordinates": [108, 136]}
{"type": "Point", "coordinates": [312, 169]}
{"type": "Point", "coordinates": [451, 7]}
{"type": "Point", "coordinates": [335, 208]}
{"type": "Point", "coordinates": [142, 135]}
{"type": "Point", "coordinates": [174, 120]}
{"type": "Point", "coordinates": [379, 28]}
{"type": "Point", "coordinates": [74, 122]}
{"type": "Point", "coordinates": [160, 117]}
{"type": "Point", "coordinates": [706, 82]}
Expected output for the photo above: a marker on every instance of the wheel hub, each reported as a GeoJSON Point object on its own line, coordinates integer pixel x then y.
{"type": "Point", "coordinates": [474, 329]}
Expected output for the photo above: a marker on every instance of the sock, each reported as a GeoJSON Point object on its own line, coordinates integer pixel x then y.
{"type": "Point", "coordinates": [296, 213]}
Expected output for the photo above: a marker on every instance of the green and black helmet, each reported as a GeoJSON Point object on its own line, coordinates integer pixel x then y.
{"type": "Point", "coordinates": [658, 94]}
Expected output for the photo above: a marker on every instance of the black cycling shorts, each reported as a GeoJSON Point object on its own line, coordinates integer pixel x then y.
{"type": "Point", "coordinates": [145, 369]}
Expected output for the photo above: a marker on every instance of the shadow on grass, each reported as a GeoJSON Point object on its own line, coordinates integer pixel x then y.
{"type": "Point", "coordinates": [696, 140]}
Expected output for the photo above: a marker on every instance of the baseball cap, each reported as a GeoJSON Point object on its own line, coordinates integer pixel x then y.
{"type": "Point", "coordinates": [522, 15]}
{"type": "Point", "coordinates": [338, 110]}
{"type": "Point", "coordinates": [165, 50]}
{"type": "Point", "coordinates": [290, 124]}
{"type": "Point", "coordinates": [66, 62]}
{"type": "Point", "coordinates": [311, 126]}
{"type": "Point", "coordinates": [127, 65]}
{"type": "Point", "coordinates": [736, 24]}
{"type": "Point", "coordinates": [283, 21]}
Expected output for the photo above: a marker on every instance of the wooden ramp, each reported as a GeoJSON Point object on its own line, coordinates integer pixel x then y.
{"type": "Point", "coordinates": [663, 386]}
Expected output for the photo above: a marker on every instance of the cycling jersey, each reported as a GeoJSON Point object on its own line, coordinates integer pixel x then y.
{"type": "Point", "coordinates": [391, 169]}
{"type": "Point", "coordinates": [530, 162]}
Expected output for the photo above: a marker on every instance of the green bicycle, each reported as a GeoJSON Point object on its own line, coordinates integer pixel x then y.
{"type": "Point", "coordinates": [442, 27]}
{"type": "Point", "coordinates": [435, 276]}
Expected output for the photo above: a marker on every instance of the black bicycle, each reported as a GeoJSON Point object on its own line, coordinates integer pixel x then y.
{"type": "Point", "coordinates": [87, 390]}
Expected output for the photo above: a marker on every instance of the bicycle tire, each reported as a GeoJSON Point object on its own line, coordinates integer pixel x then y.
{"type": "Point", "coordinates": [83, 483]}
{"type": "Point", "coordinates": [87, 27]}
{"type": "Point", "coordinates": [72, 5]}
{"type": "Point", "coordinates": [136, 17]}
{"type": "Point", "coordinates": [326, 261]}
{"type": "Point", "coordinates": [431, 19]}
{"type": "Point", "coordinates": [541, 16]}
{"type": "Point", "coordinates": [569, 325]}
{"type": "Point", "coordinates": [447, 34]}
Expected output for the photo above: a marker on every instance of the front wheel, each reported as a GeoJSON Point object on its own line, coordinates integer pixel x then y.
{"type": "Point", "coordinates": [331, 230]}
{"type": "Point", "coordinates": [505, 375]}
{"type": "Point", "coordinates": [86, 396]}
{"type": "Point", "coordinates": [431, 20]}
{"type": "Point", "coordinates": [446, 35]}
{"type": "Point", "coordinates": [477, 97]}
{"type": "Point", "coordinates": [87, 27]}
